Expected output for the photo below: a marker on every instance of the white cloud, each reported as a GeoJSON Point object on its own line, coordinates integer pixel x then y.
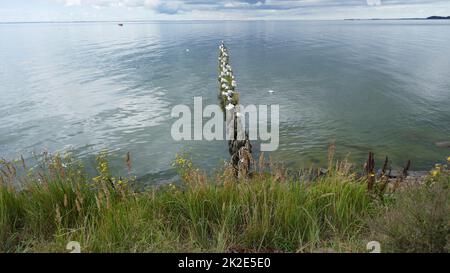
{"type": "Point", "coordinates": [279, 9]}
{"type": "Point", "coordinates": [113, 3]}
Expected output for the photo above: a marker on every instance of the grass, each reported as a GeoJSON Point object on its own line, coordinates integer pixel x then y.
{"type": "Point", "coordinates": [58, 202]}
{"type": "Point", "coordinates": [419, 220]}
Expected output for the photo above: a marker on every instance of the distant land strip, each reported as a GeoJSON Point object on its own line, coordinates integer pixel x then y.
{"type": "Point", "coordinates": [216, 20]}
{"type": "Point", "coordinates": [428, 18]}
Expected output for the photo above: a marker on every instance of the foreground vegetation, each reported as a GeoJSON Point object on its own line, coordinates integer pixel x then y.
{"type": "Point", "coordinates": [44, 208]}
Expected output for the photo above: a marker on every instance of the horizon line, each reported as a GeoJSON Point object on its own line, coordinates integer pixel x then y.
{"type": "Point", "coordinates": [218, 20]}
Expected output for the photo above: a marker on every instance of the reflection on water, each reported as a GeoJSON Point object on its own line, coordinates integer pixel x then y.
{"type": "Point", "coordinates": [380, 86]}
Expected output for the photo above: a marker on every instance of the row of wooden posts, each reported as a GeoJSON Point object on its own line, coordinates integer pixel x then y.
{"type": "Point", "coordinates": [239, 145]}
{"type": "Point", "coordinates": [385, 172]}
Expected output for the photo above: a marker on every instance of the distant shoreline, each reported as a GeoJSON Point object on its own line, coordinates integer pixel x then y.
{"type": "Point", "coordinates": [243, 20]}
{"type": "Point", "coordinates": [379, 19]}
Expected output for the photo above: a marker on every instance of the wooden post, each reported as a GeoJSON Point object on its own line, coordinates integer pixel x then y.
{"type": "Point", "coordinates": [385, 167]}
{"type": "Point", "coordinates": [239, 145]}
{"type": "Point", "coordinates": [370, 171]}
{"type": "Point", "coordinates": [406, 169]}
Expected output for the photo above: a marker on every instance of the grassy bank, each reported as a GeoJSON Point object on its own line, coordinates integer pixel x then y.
{"type": "Point", "coordinates": [58, 202]}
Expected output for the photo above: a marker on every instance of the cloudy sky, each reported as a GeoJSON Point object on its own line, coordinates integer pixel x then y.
{"type": "Point", "coordinates": [68, 10]}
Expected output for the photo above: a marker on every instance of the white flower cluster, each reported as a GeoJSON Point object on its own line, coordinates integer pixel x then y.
{"type": "Point", "coordinates": [226, 78]}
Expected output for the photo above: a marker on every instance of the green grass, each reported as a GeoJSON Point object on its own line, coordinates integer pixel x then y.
{"type": "Point", "coordinates": [419, 219]}
{"type": "Point", "coordinates": [59, 203]}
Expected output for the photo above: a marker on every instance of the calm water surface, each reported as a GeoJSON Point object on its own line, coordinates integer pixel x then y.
{"type": "Point", "coordinates": [367, 85]}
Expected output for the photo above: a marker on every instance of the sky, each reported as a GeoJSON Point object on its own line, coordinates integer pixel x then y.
{"type": "Point", "coordinates": [127, 10]}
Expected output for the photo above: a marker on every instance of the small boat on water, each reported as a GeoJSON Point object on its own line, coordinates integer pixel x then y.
{"type": "Point", "coordinates": [120, 25]}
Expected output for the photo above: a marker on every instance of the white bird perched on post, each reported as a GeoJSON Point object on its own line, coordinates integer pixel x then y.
{"type": "Point", "coordinates": [240, 150]}
{"type": "Point", "coordinates": [229, 106]}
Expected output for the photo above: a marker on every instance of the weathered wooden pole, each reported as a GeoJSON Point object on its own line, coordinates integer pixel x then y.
{"type": "Point", "coordinates": [370, 171]}
{"type": "Point", "coordinates": [239, 145]}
